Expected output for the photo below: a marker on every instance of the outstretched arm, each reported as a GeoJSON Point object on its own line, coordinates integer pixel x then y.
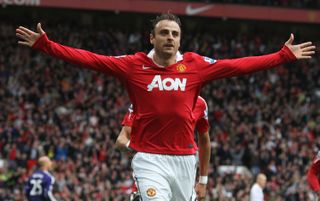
{"type": "Point", "coordinates": [117, 66]}
{"type": "Point", "coordinates": [235, 67]}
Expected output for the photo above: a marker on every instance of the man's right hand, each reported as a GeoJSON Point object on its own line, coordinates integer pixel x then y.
{"type": "Point", "coordinates": [28, 37]}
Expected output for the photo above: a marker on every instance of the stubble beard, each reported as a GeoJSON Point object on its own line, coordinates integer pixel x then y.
{"type": "Point", "coordinates": [166, 55]}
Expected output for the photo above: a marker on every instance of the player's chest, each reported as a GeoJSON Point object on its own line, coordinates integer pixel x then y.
{"type": "Point", "coordinates": [178, 77]}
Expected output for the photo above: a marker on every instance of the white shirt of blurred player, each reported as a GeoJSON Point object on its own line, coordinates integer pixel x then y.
{"type": "Point", "coordinates": [256, 192]}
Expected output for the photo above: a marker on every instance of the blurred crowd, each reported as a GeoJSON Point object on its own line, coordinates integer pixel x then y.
{"type": "Point", "coordinates": [301, 4]}
{"type": "Point", "coordinates": [267, 122]}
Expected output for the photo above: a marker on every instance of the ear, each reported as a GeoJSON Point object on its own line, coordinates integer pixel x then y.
{"type": "Point", "coordinates": [151, 38]}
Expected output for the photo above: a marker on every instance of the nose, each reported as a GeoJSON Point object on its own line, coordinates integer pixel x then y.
{"type": "Point", "coordinates": [170, 36]}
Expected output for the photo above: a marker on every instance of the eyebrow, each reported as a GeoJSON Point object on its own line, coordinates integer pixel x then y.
{"type": "Point", "coordinates": [166, 29]}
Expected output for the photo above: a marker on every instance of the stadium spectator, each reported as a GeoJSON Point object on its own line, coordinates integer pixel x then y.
{"type": "Point", "coordinates": [40, 184]}
{"type": "Point", "coordinates": [256, 192]}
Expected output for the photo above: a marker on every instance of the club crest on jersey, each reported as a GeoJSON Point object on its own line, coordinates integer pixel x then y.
{"type": "Point", "coordinates": [181, 68]}
{"type": "Point", "coordinates": [209, 60]}
{"type": "Point", "coordinates": [151, 192]}
{"type": "Point", "coordinates": [168, 84]}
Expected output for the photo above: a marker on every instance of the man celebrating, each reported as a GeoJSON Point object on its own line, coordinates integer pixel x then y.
{"type": "Point", "coordinates": [163, 87]}
{"type": "Point", "coordinates": [39, 185]}
{"type": "Point", "coordinates": [201, 126]}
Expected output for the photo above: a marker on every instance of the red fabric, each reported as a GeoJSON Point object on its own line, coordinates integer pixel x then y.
{"type": "Point", "coordinates": [313, 175]}
{"type": "Point", "coordinates": [163, 98]}
{"type": "Point", "coordinates": [31, 164]}
{"type": "Point", "coordinates": [200, 113]}
{"type": "Point", "coordinates": [134, 188]}
{"type": "Point", "coordinates": [13, 154]}
{"type": "Point", "coordinates": [128, 119]}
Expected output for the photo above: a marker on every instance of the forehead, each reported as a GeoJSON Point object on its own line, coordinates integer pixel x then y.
{"type": "Point", "coordinates": [167, 24]}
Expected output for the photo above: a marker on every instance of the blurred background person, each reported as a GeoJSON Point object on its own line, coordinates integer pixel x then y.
{"type": "Point", "coordinates": [40, 184]}
{"type": "Point", "coordinates": [256, 192]}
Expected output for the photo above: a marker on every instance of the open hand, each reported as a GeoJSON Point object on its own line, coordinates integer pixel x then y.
{"type": "Point", "coordinates": [302, 50]}
{"type": "Point", "coordinates": [28, 37]}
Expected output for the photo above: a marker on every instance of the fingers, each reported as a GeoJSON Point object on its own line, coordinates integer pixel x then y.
{"type": "Point", "coordinates": [21, 36]}
{"type": "Point", "coordinates": [308, 53]}
{"type": "Point", "coordinates": [200, 196]}
{"type": "Point", "coordinates": [305, 57]}
{"type": "Point", "coordinates": [290, 40]}
{"type": "Point", "coordinates": [24, 38]}
{"type": "Point", "coordinates": [39, 29]}
{"type": "Point", "coordinates": [304, 50]}
{"type": "Point", "coordinates": [25, 30]}
{"type": "Point", "coordinates": [22, 32]}
{"type": "Point", "coordinates": [306, 44]}
{"type": "Point", "coordinates": [23, 43]}
{"type": "Point", "coordinates": [309, 48]}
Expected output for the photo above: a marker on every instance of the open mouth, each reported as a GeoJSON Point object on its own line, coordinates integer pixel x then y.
{"type": "Point", "coordinates": [168, 45]}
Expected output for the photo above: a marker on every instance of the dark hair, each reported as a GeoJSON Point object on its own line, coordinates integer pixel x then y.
{"type": "Point", "coordinates": [165, 16]}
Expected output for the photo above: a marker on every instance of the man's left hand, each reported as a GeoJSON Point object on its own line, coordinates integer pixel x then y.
{"type": "Point", "coordinates": [201, 190]}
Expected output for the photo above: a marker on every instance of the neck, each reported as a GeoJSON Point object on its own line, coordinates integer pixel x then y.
{"type": "Point", "coordinates": [44, 169]}
{"type": "Point", "coordinates": [164, 60]}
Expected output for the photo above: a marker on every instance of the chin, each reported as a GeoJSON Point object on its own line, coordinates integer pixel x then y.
{"type": "Point", "coordinates": [169, 52]}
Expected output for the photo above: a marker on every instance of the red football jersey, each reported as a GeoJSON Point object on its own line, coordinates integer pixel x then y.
{"type": "Point", "coordinates": [200, 113]}
{"type": "Point", "coordinates": [314, 173]}
{"type": "Point", "coordinates": [163, 98]}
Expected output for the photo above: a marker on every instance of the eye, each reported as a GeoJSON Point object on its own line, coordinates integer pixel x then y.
{"type": "Point", "coordinates": [164, 32]}
{"type": "Point", "coordinates": [175, 33]}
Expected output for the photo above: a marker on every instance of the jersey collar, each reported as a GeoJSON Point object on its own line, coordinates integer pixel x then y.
{"type": "Point", "coordinates": [179, 57]}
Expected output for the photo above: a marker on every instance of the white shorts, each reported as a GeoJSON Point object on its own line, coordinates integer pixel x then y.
{"type": "Point", "coordinates": [165, 177]}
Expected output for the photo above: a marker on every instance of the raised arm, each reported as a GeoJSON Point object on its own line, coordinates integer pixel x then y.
{"type": "Point", "coordinates": [117, 66]}
{"type": "Point", "coordinates": [212, 69]}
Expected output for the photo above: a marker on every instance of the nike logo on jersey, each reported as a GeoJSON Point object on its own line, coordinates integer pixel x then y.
{"type": "Point", "coordinates": [145, 67]}
{"type": "Point", "coordinates": [168, 84]}
{"type": "Point", "coordinates": [193, 11]}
